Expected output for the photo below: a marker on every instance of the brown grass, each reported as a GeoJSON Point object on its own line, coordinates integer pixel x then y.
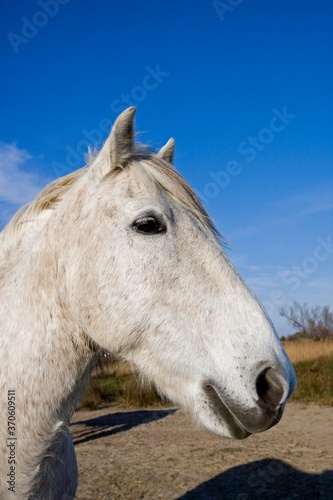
{"type": "Point", "coordinates": [313, 363]}
{"type": "Point", "coordinates": [315, 381]}
{"type": "Point", "coordinates": [114, 381]}
{"type": "Point", "coordinates": [305, 350]}
{"type": "Point", "coordinates": [111, 367]}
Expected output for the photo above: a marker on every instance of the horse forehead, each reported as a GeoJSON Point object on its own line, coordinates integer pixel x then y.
{"type": "Point", "coordinates": [122, 185]}
{"type": "Point", "coordinates": [160, 203]}
{"type": "Point", "coordinates": [127, 192]}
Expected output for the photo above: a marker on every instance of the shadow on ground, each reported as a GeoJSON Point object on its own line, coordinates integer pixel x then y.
{"type": "Point", "coordinates": [264, 479]}
{"type": "Point", "coordinates": [106, 425]}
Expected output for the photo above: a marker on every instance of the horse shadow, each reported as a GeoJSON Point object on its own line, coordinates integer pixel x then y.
{"type": "Point", "coordinates": [267, 479]}
{"type": "Point", "coordinates": [112, 423]}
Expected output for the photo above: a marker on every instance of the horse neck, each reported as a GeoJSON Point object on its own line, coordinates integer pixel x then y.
{"type": "Point", "coordinates": [46, 357]}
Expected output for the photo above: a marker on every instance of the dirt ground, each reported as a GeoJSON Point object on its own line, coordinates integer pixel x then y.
{"type": "Point", "coordinates": [160, 454]}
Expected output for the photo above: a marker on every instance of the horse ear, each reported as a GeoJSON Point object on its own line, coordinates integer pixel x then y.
{"type": "Point", "coordinates": [119, 146]}
{"type": "Point", "coordinates": [167, 151]}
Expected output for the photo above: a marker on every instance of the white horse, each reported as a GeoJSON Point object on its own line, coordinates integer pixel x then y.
{"type": "Point", "coordinates": [121, 255]}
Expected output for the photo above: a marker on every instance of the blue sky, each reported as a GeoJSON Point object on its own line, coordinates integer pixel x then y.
{"type": "Point", "coordinates": [245, 87]}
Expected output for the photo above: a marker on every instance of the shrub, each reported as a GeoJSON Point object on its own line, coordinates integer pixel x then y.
{"type": "Point", "coordinates": [315, 380]}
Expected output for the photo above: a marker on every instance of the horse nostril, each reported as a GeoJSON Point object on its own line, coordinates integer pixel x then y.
{"type": "Point", "coordinates": [269, 388]}
{"type": "Point", "coordinates": [262, 385]}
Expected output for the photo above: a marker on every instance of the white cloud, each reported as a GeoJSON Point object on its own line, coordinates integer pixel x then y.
{"type": "Point", "coordinates": [319, 199]}
{"type": "Point", "coordinates": [289, 231]}
{"type": "Point", "coordinates": [288, 212]}
{"type": "Point", "coordinates": [268, 283]}
{"type": "Point", "coordinates": [17, 185]}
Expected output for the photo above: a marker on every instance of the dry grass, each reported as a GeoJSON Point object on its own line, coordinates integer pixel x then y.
{"type": "Point", "coordinates": [114, 381]}
{"type": "Point", "coordinates": [315, 381]}
{"type": "Point", "coordinates": [305, 350]}
{"type": "Point", "coordinates": [111, 367]}
{"type": "Point", "coordinates": [313, 363]}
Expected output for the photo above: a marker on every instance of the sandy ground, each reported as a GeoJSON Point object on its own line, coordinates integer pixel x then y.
{"type": "Point", "coordinates": [159, 454]}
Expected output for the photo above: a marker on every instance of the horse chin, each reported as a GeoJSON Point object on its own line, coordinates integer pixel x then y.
{"type": "Point", "coordinates": [215, 415]}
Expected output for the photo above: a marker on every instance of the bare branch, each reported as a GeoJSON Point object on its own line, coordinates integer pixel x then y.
{"type": "Point", "coordinates": [315, 321]}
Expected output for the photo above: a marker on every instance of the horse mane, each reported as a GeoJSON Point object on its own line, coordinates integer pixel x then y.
{"type": "Point", "coordinates": [32, 212]}
{"type": "Point", "coordinates": [146, 167]}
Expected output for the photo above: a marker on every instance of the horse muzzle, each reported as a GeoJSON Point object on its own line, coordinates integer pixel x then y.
{"type": "Point", "coordinates": [270, 393]}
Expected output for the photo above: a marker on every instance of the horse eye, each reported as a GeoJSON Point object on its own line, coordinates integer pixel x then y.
{"type": "Point", "coordinates": [149, 225]}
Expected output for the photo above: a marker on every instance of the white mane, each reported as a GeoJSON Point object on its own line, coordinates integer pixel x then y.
{"type": "Point", "coordinates": [147, 168]}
